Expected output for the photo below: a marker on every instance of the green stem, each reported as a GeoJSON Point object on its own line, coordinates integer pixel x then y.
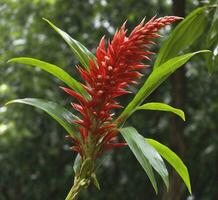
{"type": "Point", "coordinates": [81, 180]}
{"type": "Point", "coordinates": [72, 195]}
{"type": "Point", "coordinates": [74, 191]}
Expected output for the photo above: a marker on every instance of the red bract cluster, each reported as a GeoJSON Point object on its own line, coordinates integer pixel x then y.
{"type": "Point", "coordinates": [117, 65]}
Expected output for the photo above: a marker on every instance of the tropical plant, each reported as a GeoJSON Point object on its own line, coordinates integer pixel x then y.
{"type": "Point", "coordinates": [107, 75]}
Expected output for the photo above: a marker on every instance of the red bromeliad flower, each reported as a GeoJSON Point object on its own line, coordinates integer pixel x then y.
{"type": "Point", "coordinates": [117, 65]}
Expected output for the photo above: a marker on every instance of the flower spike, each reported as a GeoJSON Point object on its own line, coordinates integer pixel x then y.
{"type": "Point", "coordinates": [117, 66]}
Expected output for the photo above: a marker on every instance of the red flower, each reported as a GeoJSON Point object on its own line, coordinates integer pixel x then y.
{"type": "Point", "coordinates": [118, 64]}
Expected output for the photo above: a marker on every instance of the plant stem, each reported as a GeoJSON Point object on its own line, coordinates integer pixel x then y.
{"type": "Point", "coordinates": [73, 194]}
{"type": "Point", "coordinates": [82, 179]}
{"type": "Point", "coordinates": [75, 189]}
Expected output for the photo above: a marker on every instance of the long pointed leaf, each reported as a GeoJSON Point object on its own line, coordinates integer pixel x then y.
{"type": "Point", "coordinates": [212, 43]}
{"type": "Point", "coordinates": [55, 71]}
{"type": "Point", "coordinates": [158, 75]}
{"type": "Point", "coordinates": [60, 114]}
{"type": "Point", "coordinates": [173, 160]}
{"type": "Point", "coordinates": [212, 34]}
{"type": "Point", "coordinates": [80, 51]}
{"type": "Point", "coordinates": [183, 36]}
{"type": "Point", "coordinates": [162, 107]}
{"type": "Point", "coordinates": [145, 154]}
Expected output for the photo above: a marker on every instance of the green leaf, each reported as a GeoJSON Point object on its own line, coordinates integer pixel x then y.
{"type": "Point", "coordinates": [158, 75]}
{"type": "Point", "coordinates": [55, 71]}
{"type": "Point", "coordinates": [95, 181]}
{"type": "Point", "coordinates": [162, 107]}
{"type": "Point", "coordinates": [173, 160]}
{"type": "Point", "coordinates": [212, 38]}
{"type": "Point", "coordinates": [183, 36]}
{"type": "Point", "coordinates": [86, 167]}
{"type": "Point", "coordinates": [77, 164]}
{"type": "Point", "coordinates": [146, 155]}
{"type": "Point", "coordinates": [60, 114]}
{"type": "Point", "coordinates": [212, 35]}
{"type": "Point", "coordinates": [80, 51]}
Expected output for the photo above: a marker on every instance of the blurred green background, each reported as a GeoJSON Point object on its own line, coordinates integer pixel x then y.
{"type": "Point", "coordinates": [35, 161]}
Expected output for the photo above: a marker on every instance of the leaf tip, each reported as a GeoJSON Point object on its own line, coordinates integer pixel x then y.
{"type": "Point", "coordinates": [156, 190]}
{"type": "Point", "coordinates": [10, 60]}
{"type": "Point", "coordinates": [183, 116]}
{"type": "Point", "coordinates": [45, 19]}
{"type": "Point", "coordinates": [204, 51]}
{"type": "Point", "coordinates": [189, 187]}
{"type": "Point", "coordinates": [190, 191]}
{"type": "Point", "coordinates": [7, 103]}
{"type": "Point", "coordinates": [95, 181]}
{"type": "Point", "coordinates": [14, 59]}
